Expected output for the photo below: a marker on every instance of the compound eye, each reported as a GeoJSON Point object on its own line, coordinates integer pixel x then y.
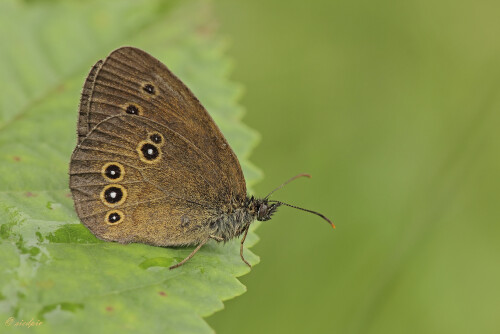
{"type": "Point", "coordinates": [262, 211]}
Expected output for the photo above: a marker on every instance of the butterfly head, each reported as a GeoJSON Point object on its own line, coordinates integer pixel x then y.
{"type": "Point", "coordinates": [265, 209]}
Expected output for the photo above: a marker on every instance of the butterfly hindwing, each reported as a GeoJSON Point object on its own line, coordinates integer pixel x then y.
{"type": "Point", "coordinates": [133, 172]}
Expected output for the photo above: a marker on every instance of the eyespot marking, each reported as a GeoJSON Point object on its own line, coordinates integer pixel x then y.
{"type": "Point", "coordinates": [114, 217]}
{"type": "Point", "coordinates": [148, 152]}
{"type": "Point", "coordinates": [113, 195]}
{"type": "Point", "coordinates": [149, 88]}
{"type": "Point", "coordinates": [133, 110]}
{"type": "Point", "coordinates": [113, 171]}
{"type": "Point", "coordinates": [156, 138]}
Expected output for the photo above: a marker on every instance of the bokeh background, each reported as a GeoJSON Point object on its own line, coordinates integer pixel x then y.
{"type": "Point", "coordinates": [393, 107]}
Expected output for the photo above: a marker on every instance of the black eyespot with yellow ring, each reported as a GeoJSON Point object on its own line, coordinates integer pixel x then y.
{"type": "Point", "coordinates": [148, 152]}
{"type": "Point", "coordinates": [113, 195]}
{"type": "Point", "coordinates": [132, 109]}
{"type": "Point", "coordinates": [114, 217]}
{"type": "Point", "coordinates": [113, 171]}
{"type": "Point", "coordinates": [149, 88]}
{"type": "Point", "coordinates": [157, 138]}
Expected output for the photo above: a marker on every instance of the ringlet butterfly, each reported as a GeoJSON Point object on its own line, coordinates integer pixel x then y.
{"type": "Point", "coordinates": [151, 166]}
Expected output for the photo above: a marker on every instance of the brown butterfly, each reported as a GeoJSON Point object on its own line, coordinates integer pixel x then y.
{"type": "Point", "coordinates": [151, 166]}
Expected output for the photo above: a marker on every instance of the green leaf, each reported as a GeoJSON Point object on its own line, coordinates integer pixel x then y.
{"type": "Point", "coordinates": [53, 269]}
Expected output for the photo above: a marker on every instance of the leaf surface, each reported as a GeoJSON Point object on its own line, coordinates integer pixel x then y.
{"type": "Point", "coordinates": [53, 268]}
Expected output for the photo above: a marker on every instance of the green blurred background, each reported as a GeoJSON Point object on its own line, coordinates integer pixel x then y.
{"type": "Point", "coordinates": [393, 107]}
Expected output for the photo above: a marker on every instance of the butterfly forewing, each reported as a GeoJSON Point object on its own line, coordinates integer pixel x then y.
{"type": "Point", "coordinates": [132, 82]}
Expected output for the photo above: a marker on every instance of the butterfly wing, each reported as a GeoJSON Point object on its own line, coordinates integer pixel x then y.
{"type": "Point", "coordinates": [135, 180]}
{"type": "Point", "coordinates": [130, 81]}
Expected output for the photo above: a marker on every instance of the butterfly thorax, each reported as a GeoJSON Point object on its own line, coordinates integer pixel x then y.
{"type": "Point", "coordinates": [236, 218]}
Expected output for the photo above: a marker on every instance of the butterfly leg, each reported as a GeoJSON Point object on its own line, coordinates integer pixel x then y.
{"type": "Point", "coordinates": [189, 256]}
{"type": "Point", "coordinates": [241, 246]}
{"type": "Point", "coordinates": [216, 238]}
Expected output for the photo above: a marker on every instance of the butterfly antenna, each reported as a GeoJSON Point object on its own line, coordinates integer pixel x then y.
{"type": "Point", "coordinates": [287, 182]}
{"type": "Point", "coordinates": [296, 207]}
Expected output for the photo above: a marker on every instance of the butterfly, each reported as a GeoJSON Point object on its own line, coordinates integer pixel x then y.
{"type": "Point", "coordinates": [151, 166]}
